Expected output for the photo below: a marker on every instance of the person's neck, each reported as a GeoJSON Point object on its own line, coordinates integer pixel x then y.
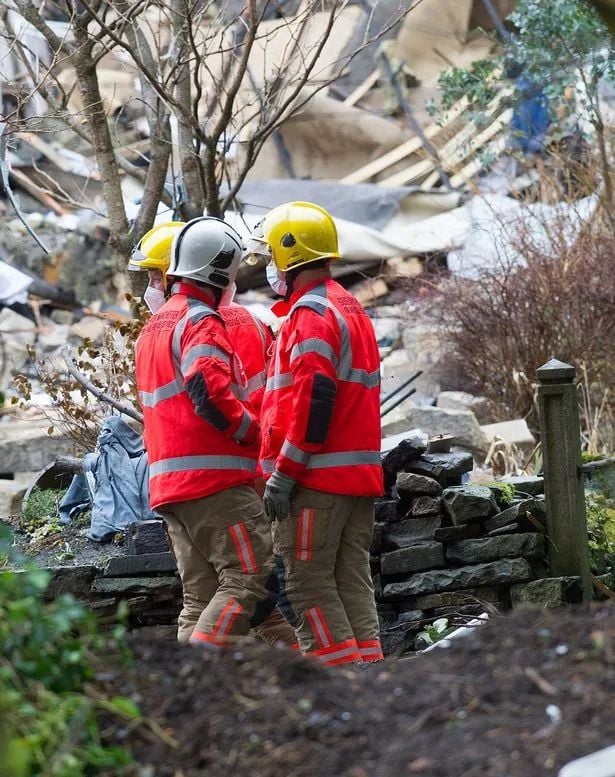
{"type": "Point", "coordinates": [202, 292]}
{"type": "Point", "coordinates": [307, 277]}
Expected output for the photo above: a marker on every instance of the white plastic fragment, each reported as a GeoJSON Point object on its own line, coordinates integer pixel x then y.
{"type": "Point", "coordinates": [598, 764]}
{"type": "Point", "coordinates": [460, 632]}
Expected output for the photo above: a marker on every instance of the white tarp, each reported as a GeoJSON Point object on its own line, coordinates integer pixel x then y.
{"type": "Point", "coordinates": [14, 285]}
{"type": "Point", "coordinates": [401, 237]}
{"type": "Point", "coordinates": [373, 222]}
{"type": "Point", "coordinates": [495, 220]}
{"type": "Point", "coordinates": [361, 244]}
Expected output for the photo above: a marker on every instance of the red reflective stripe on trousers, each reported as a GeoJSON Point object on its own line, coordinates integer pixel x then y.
{"type": "Point", "coordinates": [200, 636]}
{"type": "Point", "coordinates": [340, 653]}
{"type": "Point", "coordinates": [241, 540]}
{"type": "Point", "coordinates": [370, 650]}
{"type": "Point", "coordinates": [227, 617]}
{"type": "Point", "coordinates": [319, 627]}
{"type": "Point", "coordinates": [305, 530]}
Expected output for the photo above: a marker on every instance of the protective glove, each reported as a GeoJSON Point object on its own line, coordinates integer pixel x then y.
{"type": "Point", "coordinates": [277, 496]}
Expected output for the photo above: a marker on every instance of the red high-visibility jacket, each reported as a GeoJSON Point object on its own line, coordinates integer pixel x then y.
{"type": "Point", "coordinates": [252, 343]}
{"type": "Point", "coordinates": [320, 422]}
{"type": "Point", "coordinates": [199, 436]}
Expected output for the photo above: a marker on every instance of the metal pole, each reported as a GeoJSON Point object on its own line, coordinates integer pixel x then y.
{"type": "Point", "coordinates": [401, 386]}
{"type": "Point", "coordinates": [398, 402]}
{"type": "Point", "coordinates": [561, 450]}
{"type": "Point", "coordinates": [412, 122]}
{"type": "Point", "coordinates": [496, 21]}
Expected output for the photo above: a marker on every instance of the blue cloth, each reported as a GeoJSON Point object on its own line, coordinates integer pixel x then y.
{"type": "Point", "coordinates": [77, 499]}
{"type": "Point", "coordinates": [121, 492]}
{"type": "Point", "coordinates": [530, 119]}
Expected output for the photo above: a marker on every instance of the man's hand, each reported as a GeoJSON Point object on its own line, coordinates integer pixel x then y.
{"type": "Point", "coordinates": [277, 496]}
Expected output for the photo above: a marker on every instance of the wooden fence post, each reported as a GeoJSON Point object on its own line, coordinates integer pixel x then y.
{"type": "Point", "coordinates": [561, 450]}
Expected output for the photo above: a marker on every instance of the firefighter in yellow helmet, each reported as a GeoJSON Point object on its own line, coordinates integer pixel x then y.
{"type": "Point", "coordinates": [153, 253]}
{"type": "Point", "coordinates": [320, 449]}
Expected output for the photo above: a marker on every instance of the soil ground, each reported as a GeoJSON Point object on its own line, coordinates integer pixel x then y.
{"type": "Point", "coordinates": [520, 698]}
{"type": "Point", "coordinates": [67, 547]}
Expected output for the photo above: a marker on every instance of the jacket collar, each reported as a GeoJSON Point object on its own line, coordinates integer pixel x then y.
{"type": "Point", "coordinates": [190, 290]}
{"type": "Point", "coordinates": [296, 295]}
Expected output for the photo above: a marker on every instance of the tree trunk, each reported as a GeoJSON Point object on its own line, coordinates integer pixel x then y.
{"type": "Point", "coordinates": [102, 143]}
{"type": "Point", "coordinates": [193, 202]}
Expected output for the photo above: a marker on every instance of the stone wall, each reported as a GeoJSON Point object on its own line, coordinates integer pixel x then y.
{"type": "Point", "coordinates": [443, 549]}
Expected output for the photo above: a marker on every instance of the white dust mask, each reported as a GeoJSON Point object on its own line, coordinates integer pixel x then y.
{"type": "Point", "coordinates": [228, 295]}
{"type": "Point", "coordinates": [273, 279]}
{"type": "Point", "coordinates": [153, 298]}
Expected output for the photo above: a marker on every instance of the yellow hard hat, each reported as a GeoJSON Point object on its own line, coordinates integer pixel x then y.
{"type": "Point", "coordinates": [299, 233]}
{"type": "Point", "coordinates": [153, 251]}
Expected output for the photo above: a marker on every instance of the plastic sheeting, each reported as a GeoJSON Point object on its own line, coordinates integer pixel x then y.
{"type": "Point", "coordinates": [366, 204]}
{"type": "Point", "coordinates": [494, 221]}
{"type": "Point", "coordinates": [14, 285]}
{"type": "Point", "coordinates": [373, 222]}
{"type": "Point", "coordinates": [120, 482]}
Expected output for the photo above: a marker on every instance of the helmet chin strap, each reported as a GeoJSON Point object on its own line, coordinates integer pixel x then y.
{"type": "Point", "coordinates": [290, 277]}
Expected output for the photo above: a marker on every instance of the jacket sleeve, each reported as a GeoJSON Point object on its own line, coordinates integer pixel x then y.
{"type": "Point", "coordinates": [206, 357]}
{"type": "Point", "coordinates": [314, 354]}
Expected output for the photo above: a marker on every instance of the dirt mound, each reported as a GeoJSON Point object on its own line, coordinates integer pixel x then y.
{"type": "Point", "coordinates": [521, 698]}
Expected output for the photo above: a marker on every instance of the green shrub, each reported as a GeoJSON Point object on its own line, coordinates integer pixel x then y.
{"type": "Point", "coordinates": [48, 717]}
{"type": "Point", "coordinates": [601, 531]}
{"type": "Point", "coordinates": [42, 509]}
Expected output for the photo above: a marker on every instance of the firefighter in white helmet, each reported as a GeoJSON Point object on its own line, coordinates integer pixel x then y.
{"type": "Point", "coordinates": [202, 441]}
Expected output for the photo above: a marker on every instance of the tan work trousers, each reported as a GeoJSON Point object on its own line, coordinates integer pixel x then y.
{"type": "Point", "coordinates": [324, 544]}
{"type": "Point", "coordinates": [222, 546]}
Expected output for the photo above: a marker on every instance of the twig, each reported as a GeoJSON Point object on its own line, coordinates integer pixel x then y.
{"type": "Point", "coordinates": [98, 393]}
{"type": "Point", "coordinates": [539, 681]}
{"type": "Point", "coordinates": [603, 588]}
{"type": "Point", "coordinates": [4, 175]}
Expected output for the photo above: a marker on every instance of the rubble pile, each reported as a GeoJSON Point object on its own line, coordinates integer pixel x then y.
{"type": "Point", "coordinates": [444, 549]}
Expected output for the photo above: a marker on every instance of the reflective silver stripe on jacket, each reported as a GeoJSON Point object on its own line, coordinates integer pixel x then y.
{"type": "Point", "coordinates": [327, 460]}
{"type": "Point", "coordinates": [318, 301]}
{"type": "Point", "coordinates": [198, 351]}
{"type": "Point", "coordinates": [244, 427]}
{"type": "Point", "coordinates": [196, 312]}
{"type": "Point", "coordinates": [343, 459]}
{"type": "Point", "coordinates": [152, 398]}
{"type": "Point", "coordinates": [315, 345]}
{"type": "Point", "coordinates": [193, 463]}
{"type": "Point", "coordinates": [267, 465]}
{"type": "Point", "coordinates": [295, 453]}
{"type": "Point", "coordinates": [368, 379]}
{"type": "Point", "coordinates": [254, 383]}
{"type": "Point", "coordinates": [282, 380]}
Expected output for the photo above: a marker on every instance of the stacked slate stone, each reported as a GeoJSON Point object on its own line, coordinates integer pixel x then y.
{"type": "Point", "coordinates": [442, 548]}
{"type": "Point", "coordinates": [145, 580]}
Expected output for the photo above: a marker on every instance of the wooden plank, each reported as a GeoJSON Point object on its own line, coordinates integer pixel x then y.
{"type": "Point", "coordinates": [413, 144]}
{"type": "Point", "coordinates": [460, 151]}
{"type": "Point", "coordinates": [473, 167]}
{"type": "Point", "coordinates": [405, 149]}
{"type": "Point", "coordinates": [431, 180]}
{"type": "Point", "coordinates": [459, 147]}
{"type": "Point", "coordinates": [46, 199]}
{"type": "Point", "coordinates": [410, 174]}
{"type": "Point", "coordinates": [363, 88]}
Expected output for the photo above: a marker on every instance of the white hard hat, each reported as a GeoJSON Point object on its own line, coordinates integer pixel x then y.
{"type": "Point", "coordinates": [207, 249]}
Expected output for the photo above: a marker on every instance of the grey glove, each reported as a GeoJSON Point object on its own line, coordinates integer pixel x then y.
{"type": "Point", "coordinates": [277, 496]}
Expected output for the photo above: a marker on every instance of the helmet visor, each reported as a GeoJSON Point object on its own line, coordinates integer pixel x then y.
{"type": "Point", "coordinates": [136, 259]}
{"type": "Point", "coordinates": [257, 249]}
